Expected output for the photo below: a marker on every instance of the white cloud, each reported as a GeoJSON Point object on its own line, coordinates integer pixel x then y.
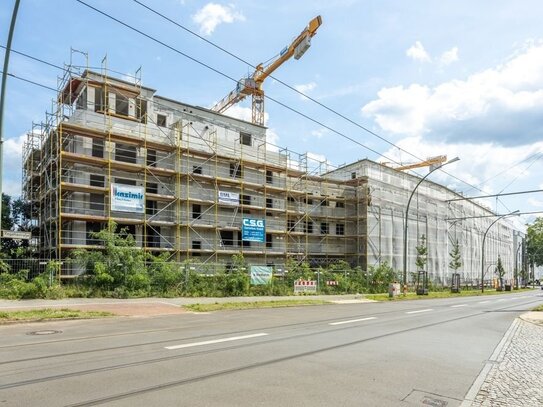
{"type": "Point", "coordinates": [487, 166]}
{"type": "Point", "coordinates": [213, 14]}
{"type": "Point", "coordinates": [243, 113]}
{"type": "Point", "coordinates": [12, 165]}
{"type": "Point", "coordinates": [535, 202]}
{"type": "Point", "coordinates": [448, 57]}
{"type": "Point", "coordinates": [320, 133]}
{"type": "Point", "coordinates": [418, 53]}
{"type": "Point", "coordinates": [502, 104]}
{"type": "Point", "coordinates": [305, 88]}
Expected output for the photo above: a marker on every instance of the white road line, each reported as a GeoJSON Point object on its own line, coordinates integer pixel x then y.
{"type": "Point", "coordinates": [351, 321]}
{"type": "Point", "coordinates": [421, 310]}
{"type": "Point", "coordinates": [232, 338]}
{"type": "Point", "coordinates": [484, 302]}
{"type": "Point", "coordinates": [459, 305]}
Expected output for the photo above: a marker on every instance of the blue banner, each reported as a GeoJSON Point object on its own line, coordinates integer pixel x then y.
{"type": "Point", "coordinates": [253, 230]}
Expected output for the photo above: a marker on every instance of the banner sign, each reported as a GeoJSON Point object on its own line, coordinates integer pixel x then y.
{"type": "Point", "coordinates": [16, 234]}
{"type": "Point", "coordinates": [228, 198]}
{"type": "Point", "coordinates": [253, 230]}
{"type": "Point", "coordinates": [261, 275]}
{"type": "Point", "coordinates": [305, 286]}
{"type": "Point", "coordinates": [127, 198]}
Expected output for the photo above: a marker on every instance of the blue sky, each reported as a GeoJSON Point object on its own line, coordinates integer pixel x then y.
{"type": "Point", "coordinates": [453, 77]}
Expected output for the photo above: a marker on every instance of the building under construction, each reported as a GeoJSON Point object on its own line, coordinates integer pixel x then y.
{"type": "Point", "coordinates": [195, 183]}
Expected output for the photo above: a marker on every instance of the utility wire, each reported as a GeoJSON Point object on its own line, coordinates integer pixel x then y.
{"type": "Point", "coordinates": [231, 78]}
{"type": "Point", "coordinates": [30, 81]}
{"type": "Point", "coordinates": [335, 112]}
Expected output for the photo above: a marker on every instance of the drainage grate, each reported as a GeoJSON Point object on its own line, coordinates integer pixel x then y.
{"type": "Point", "coordinates": [44, 332]}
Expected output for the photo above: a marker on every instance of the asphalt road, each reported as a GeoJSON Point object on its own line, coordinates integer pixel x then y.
{"type": "Point", "coordinates": [373, 354]}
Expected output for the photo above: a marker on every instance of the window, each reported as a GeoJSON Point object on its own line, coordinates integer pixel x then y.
{"type": "Point", "coordinates": [235, 170]}
{"type": "Point", "coordinates": [245, 199]}
{"type": "Point", "coordinates": [340, 229]}
{"type": "Point", "coordinates": [324, 202]}
{"type": "Point", "coordinates": [98, 148]}
{"type": "Point", "coordinates": [324, 228]}
{"type": "Point", "coordinates": [340, 204]}
{"type": "Point", "coordinates": [227, 238]}
{"type": "Point", "coordinates": [91, 229]}
{"type": "Point", "coordinates": [196, 211]}
{"type": "Point", "coordinates": [161, 120]}
{"type": "Point", "coordinates": [125, 153]}
{"type": "Point", "coordinates": [269, 177]}
{"type": "Point", "coordinates": [150, 207]}
{"type": "Point", "coordinates": [308, 201]}
{"type": "Point", "coordinates": [196, 169]}
{"type": "Point", "coordinates": [121, 104]}
{"type": "Point", "coordinates": [96, 202]}
{"type": "Point", "coordinates": [151, 158]}
{"type": "Point", "coordinates": [269, 203]}
{"type": "Point", "coordinates": [241, 242]}
{"type": "Point", "coordinates": [308, 226]}
{"type": "Point", "coordinates": [269, 240]}
{"type": "Point", "coordinates": [196, 245]}
{"type": "Point", "coordinates": [245, 139]}
{"type": "Point", "coordinates": [141, 110]}
{"type": "Point", "coordinates": [81, 102]}
{"type": "Point", "coordinates": [97, 181]}
{"type": "Point", "coordinates": [152, 236]}
{"type": "Point", "coordinates": [152, 188]}
{"type": "Point", "coordinates": [291, 225]}
{"type": "Point", "coordinates": [124, 181]}
{"type": "Point", "coordinates": [291, 199]}
{"type": "Point", "coordinates": [99, 101]}
{"type": "Point", "coordinates": [353, 175]}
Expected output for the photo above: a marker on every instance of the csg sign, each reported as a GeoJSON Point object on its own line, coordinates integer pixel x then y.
{"type": "Point", "coordinates": [253, 230]}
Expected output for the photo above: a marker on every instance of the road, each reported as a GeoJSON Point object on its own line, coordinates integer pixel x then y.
{"type": "Point", "coordinates": [426, 352]}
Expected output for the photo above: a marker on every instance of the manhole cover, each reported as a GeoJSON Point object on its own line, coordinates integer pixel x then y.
{"type": "Point", "coordinates": [44, 332]}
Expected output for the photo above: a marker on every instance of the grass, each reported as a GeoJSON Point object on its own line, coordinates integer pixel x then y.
{"type": "Point", "coordinates": [47, 314]}
{"type": "Point", "coordinates": [438, 294]}
{"type": "Point", "coordinates": [252, 305]}
{"type": "Point", "coordinates": [538, 308]}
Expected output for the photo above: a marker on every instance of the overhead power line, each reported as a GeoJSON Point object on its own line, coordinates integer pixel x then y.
{"type": "Point", "coordinates": [495, 195]}
{"type": "Point", "coordinates": [270, 98]}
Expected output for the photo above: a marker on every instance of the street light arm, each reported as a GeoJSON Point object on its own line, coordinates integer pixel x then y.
{"type": "Point", "coordinates": [407, 216]}
{"type": "Point", "coordinates": [483, 247]}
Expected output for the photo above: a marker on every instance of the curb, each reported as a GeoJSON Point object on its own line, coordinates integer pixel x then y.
{"type": "Point", "coordinates": [496, 356]}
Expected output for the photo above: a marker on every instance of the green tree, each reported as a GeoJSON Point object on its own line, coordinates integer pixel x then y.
{"type": "Point", "coordinates": [120, 266]}
{"type": "Point", "coordinates": [534, 243]}
{"type": "Point", "coordinates": [380, 277]}
{"type": "Point", "coordinates": [422, 253]}
{"type": "Point", "coordinates": [500, 271]}
{"type": "Point", "coordinates": [456, 257]}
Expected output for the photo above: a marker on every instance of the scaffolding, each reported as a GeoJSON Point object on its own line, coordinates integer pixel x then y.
{"type": "Point", "coordinates": [202, 175]}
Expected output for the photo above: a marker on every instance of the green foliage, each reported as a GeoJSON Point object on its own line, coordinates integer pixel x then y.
{"type": "Point", "coordinates": [500, 271]}
{"type": "Point", "coordinates": [456, 257]}
{"type": "Point", "coordinates": [422, 253]}
{"type": "Point", "coordinates": [380, 277]}
{"type": "Point", "coordinates": [534, 241]}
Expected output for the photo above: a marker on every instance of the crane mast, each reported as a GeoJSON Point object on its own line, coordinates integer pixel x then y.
{"type": "Point", "coordinates": [252, 85]}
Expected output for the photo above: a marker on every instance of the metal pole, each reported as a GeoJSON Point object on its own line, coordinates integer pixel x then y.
{"type": "Point", "coordinates": [3, 97]}
{"type": "Point", "coordinates": [407, 215]}
{"type": "Point", "coordinates": [483, 249]}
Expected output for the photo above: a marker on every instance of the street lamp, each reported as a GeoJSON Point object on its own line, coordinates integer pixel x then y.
{"type": "Point", "coordinates": [407, 214]}
{"type": "Point", "coordinates": [483, 248]}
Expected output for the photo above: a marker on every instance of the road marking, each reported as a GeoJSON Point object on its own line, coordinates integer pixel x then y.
{"type": "Point", "coordinates": [501, 299]}
{"type": "Point", "coordinates": [351, 321]}
{"type": "Point", "coordinates": [421, 310]}
{"type": "Point", "coordinates": [459, 305]}
{"type": "Point", "coordinates": [484, 302]}
{"type": "Point", "coordinates": [232, 338]}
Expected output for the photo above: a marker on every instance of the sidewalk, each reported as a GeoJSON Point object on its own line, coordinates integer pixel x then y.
{"type": "Point", "coordinates": [513, 376]}
{"type": "Point", "coordinates": [155, 306]}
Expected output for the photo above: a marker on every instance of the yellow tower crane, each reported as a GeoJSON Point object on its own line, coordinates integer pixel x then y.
{"type": "Point", "coordinates": [429, 162]}
{"type": "Point", "coordinates": [252, 85]}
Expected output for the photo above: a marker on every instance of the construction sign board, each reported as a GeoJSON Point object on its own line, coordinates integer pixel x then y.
{"type": "Point", "coordinates": [305, 286]}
